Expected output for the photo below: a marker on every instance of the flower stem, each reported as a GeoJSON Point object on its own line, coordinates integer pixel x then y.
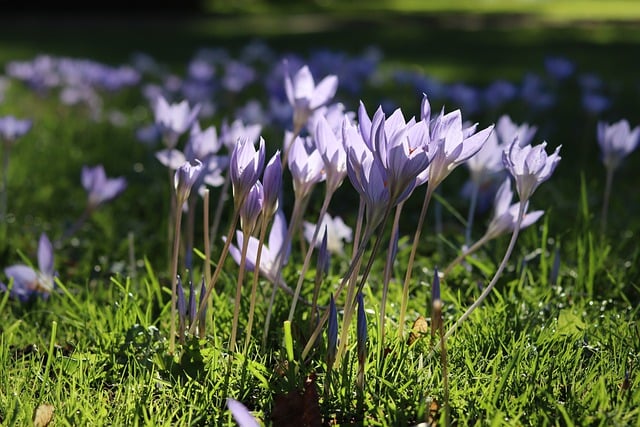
{"type": "Point", "coordinates": [207, 242]}
{"type": "Point", "coordinates": [236, 306]}
{"type": "Point", "coordinates": [211, 284]}
{"type": "Point", "coordinates": [217, 216]}
{"type": "Point", "coordinates": [307, 258]}
{"type": "Point", "coordinates": [412, 256]}
{"type": "Point", "coordinates": [388, 268]}
{"type": "Point", "coordinates": [473, 248]}
{"type": "Point", "coordinates": [472, 212]}
{"type": "Point", "coordinates": [254, 285]}
{"type": "Point", "coordinates": [299, 207]}
{"type": "Point", "coordinates": [174, 279]}
{"type": "Point", "coordinates": [605, 202]}
{"type": "Point", "coordinates": [368, 233]}
{"type": "Point", "coordinates": [494, 280]}
{"type": "Point", "coordinates": [5, 179]}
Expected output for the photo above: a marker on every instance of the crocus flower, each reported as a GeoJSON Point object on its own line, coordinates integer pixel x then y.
{"type": "Point", "coordinates": [28, 282]}
{"type": "Point", "coordinates": [270, 251]}
{"type": "Point", "coordinates": [272, 184]}
{"type": "Point", "coordinates": [241, 414]}
{"type": "Point", "coordinates": [506, 214]}
{"type": "Point", "coordinates": [252, 207]}
{"type": "Point", "coordinates": [451, 143]}
{"type": "Point", "coordinates": [245, 167]}
{"type": "Point", "coordinates": [336, 230]}
{"type": "Point", "coordinates": [173, 119]}
{"type": "Point", "coordinates": [323, 253]}
{"type": "Point", "coordinates": [100, 189]}
{"type": "Point", "coordinates": [367, 175]}
{"type": "Point", "coordinates": [184, 178]}
{"type": "Point", "coordinates": [12, 128]}
{"type": "Point", "coordinates": [304, 96]}
{"type": "Point", "coordinates": [616, 141]}
{"type": "Point", "coordinates": [331, 148]}
{"type": "Point", "coordinates": [306, 167]}
{"type": "Point", "coordinates": [530, 166]}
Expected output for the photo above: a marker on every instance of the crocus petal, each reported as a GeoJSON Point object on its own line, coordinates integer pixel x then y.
{"type": "Point", "coordinates": [241, 414]}
{"type": "Point", "coordinates": [324, 92]}
{"type": "Point", "coordinates": [171, 158]}
{"type": "Point", "coordinates": [45, 255]}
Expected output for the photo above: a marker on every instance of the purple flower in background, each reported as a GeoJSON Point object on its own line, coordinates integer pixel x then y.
{"type": "Point", "coordinates": [28, 282]}
{"type": "Point", "coordinates": [616, 141]}
{"type": "Point", "coordinates": [595, 103]}
{"type": "Point", "coordinates": [230, 134]}
{"type": "Point", "coordinates": [486, 166]}
{"type": "Point", "coordinates": [245, 167]}
{"type": "Point", "coordinates": [305, 96]}
{"type": "Point", "coordinates": [530, 166]}
{"type": "Point", "coordinates": [174, 119]}
{"type": "Point", "coordinates": [237, 76]}
{"type": "Point", "coordinates": [559, 67]}
{"type": "Point", "coordinates": [100, 188]}
{"type": "Point", "coordinates": [337, 232]}
{"type": "Point", "coordinates": [270, 251]}
{"type": "Point", "coordinates": [12, 128]}
{"type": "Point", "coordinates": [505, 214]}
{"type": "Point", "coordinates": [241, 414]}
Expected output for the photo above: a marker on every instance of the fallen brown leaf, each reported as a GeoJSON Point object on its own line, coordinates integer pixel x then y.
{"type": "Point", "coordinates": [43, 415]}
{"type": "Point", "coordinates": [419, 329]}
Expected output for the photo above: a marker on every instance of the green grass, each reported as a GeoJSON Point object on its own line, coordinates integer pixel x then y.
{"type": "Point", "coordinates": [536, 353]}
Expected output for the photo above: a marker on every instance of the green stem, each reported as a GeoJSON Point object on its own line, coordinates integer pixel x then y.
{"type": "Point", "coordinates": [412, 256]}
{"type": "Point", "coordinates": [307, 258]}
{"type": "Point", "coordinates": [388, 268]}
{"type": "Point", "coordinates": [217, 271]}
{"type": "Point", "coordinates": [473, 248]}
{"type": "Point", "coordinates": [174, 279]}
{"type": "Point", "coordinates": [254, 285]}
{"type": "Point", "coordinates": [472, 211]}
{"type": "Point", "coordinates": [496, 276]}
{"type": "Point", "coordinates": [236, 306]}
{"type": "Point", "coordinates": [605, 202]}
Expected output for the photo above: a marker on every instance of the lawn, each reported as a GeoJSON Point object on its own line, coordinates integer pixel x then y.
{"type": "Point", "coordinates": [557, 342]}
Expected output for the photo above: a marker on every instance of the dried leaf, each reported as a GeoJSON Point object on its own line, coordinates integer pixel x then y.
{"type": "Point", "coordinates": [43, 415]}
{"type": "Point", "coordinates": [419, 329]}
{"type": "Point", "coordinates": [296, 409]}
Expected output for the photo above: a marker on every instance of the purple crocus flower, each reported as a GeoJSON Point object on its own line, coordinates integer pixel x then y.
{"type": "Point", "coordinates": [305, 96]}
{"type": "Point", "coordinates": [331, 148]}
{"type": "Point", "coordinates": [616, 141]}
{"type": "Point", "coordinates": [252, 207]}
{"type": "Point", "coordinates": [306, 167]}
{"type": "Point", "coordinates": [100, 188]}
{"type": "Point", "coordinates": [450, 143]}
{"type": "Point", "coordinates": [367, 175]}
{"type": "Point", "coordinates": [184, 178]}
{"type": "Point", "coordinates": [28, 282]}
{"type": "Point", "coordinates": [174, 119]}
{"type": "Point", "coordinates": [272, 184]}
{"type": "Point", "coordinates": [241, 414]}
{"type": "Point", "coordinates": [530, 166]}
{"type": "Point", "coordinates": [505, 214]}
{"type": "Point", "coordinates": [12, 128]}
{"type": "Point", "coordinates": [245, 167]}
{"type": "Point", "coordinates": [486, 165]}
